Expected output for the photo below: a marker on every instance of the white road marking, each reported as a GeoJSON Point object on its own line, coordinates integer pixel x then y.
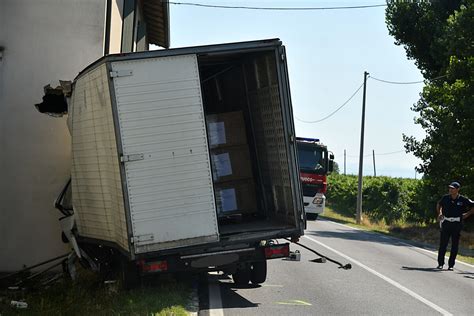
{"type": "Point", "coordinates": [295, 303]}
{"type": "Point", "coordinates": [215, 301]}
{"type": "Point", "coordinates": [400, 241]}
{"type": "Point", "coordinates": [387, 279]}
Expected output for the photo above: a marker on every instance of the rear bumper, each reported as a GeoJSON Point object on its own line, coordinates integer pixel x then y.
{"type": "Point", "coordinates": [226, 260]}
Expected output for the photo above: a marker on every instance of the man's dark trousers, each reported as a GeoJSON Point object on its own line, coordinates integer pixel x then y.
{"type": "Point", "coordinates": [449, 230]}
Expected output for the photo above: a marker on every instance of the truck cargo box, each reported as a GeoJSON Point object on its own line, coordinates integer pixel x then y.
{"type": "Point", "coordinates": [167, 143]}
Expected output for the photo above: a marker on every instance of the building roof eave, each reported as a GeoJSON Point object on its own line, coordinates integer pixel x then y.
{"type": "Point", "coordinates": [156, 14]}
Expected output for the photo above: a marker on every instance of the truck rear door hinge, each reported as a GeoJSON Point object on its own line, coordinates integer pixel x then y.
{"type": "Point", "coordinates": [121, 73]}
{"type": "Point", "coordinates": [133, 157]}
{"type": "Point", "coordinates": [141, 238]}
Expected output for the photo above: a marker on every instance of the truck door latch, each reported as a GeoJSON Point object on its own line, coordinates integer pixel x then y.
{"type": "Point", "coordinates": [121, 73]}
{"type": "Point", "coordinates": [142, 238]}
{"type": "Point", "coordinates": [134, 157]}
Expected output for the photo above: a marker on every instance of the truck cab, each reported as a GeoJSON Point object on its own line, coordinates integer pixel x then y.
{"type": "Point", "coordinates": [315, 162]}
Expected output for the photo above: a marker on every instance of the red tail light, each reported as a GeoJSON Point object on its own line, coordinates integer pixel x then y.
{"type": "Point", "coordinates": [155, 266]}
{"type": "Point", "coordinates": [277, 251]}
{"type": "Point", "coordinates": [325, 186]}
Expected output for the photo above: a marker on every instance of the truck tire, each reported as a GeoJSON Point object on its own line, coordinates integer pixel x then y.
{"type": "Point", "coordinates": [129, 274]}
{"type": "Point", "coordinates": [258, 274]}
{"type": "Point", "coordinates": [241, 277]}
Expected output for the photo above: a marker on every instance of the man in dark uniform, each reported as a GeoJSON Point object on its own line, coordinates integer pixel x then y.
{"type": "Point", "coordinates": [452, 209]}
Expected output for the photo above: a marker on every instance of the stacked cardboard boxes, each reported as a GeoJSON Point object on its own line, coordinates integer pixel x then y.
{"type": "Point", "coordinates": [231, 164]}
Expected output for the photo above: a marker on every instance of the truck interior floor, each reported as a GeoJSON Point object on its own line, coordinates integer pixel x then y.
{"type": "Point", "coordinates": [257, 225]}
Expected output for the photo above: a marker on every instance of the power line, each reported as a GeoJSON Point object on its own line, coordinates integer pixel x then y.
{"type": "Point", "coordinates": [406, 82]}
{"type": "Point", "coordinates": [276, 8]}
{"type": "Point", "coordinates": [391, 153]}
{"type": "Point", "coordinates": [382, 154]}
{"type": "Point", "coordinates": [335, 111]}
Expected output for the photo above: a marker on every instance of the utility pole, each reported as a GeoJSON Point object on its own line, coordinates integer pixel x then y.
{"type": "Point", "coordinates": [361, 155]}
{"type": "Point", "coordinates": [373, 156]}
{"type": "Point", "coordinates": [344, 162]}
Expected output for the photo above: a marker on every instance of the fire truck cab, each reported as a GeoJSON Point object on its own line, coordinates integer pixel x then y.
{"type": "Point", "coordinates": [315, 163]}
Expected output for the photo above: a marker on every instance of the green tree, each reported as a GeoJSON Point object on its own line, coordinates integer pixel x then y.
{"type": "Point", "coordinates": [336, 169]}
{"type": "Point", "coordinates": [439, 36]}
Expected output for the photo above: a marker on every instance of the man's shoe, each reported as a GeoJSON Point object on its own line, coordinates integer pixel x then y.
{"type": "Point", "coordinates": [440, 267]}
{"type": "Point", "coordinates": [450, 269]}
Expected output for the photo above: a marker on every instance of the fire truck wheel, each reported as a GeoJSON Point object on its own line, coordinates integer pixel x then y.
{"type": "Point", "coordinates": [259, 272]}
{"type": "Point", "coordinates": [241, 277]}
{"type": "Point", "coordinates": [312, 216]}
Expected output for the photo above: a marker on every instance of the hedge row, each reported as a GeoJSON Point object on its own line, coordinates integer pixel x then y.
{"type": "Point", "coordinates": [384, 198]}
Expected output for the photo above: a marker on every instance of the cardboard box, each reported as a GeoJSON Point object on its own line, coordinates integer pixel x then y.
{"type": "Point", "coordinates": [231, 163]}
{"type": "Point", "coordinates": [226, 129]}
{"type": "Point", "coordinates": [236, 197]}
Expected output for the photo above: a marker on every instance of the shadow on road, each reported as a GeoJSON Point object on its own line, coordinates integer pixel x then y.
{"type": "Point", "coordinates": [357, 235]}
{"type": "Point", "coordinates": [230, 297]}
{"type": "Point", "coordinates": [380, 237]}
{"type": "Point", "coordinates": [467, 275]}
{"type": "Point", "coordinates": [421, 269]}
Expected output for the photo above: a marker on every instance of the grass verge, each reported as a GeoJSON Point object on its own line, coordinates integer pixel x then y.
{"type": "Point", "coordinates": [90, 296]}
{"type": "Point", "coordinates": [428, 234]}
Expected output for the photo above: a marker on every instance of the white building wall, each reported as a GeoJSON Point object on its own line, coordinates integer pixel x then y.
{"type": "Point", "coordinates": [116, 23]}
{"type": "Point", "coordinates": [44, 41]}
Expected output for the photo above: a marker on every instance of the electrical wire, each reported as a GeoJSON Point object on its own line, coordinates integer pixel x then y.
{"type": "Point", "coordinates": [335, 111]}
{"type": "Point", "coordinates": [276, 8]}
{"type": "Point", "coordinates": [402, 82]}
{"type": "Point", "coordinates": [357, 156]}
{"type": "Point", "coordinates": [390, 153]}
{"type": "Point", "coordinates": [382, 154]}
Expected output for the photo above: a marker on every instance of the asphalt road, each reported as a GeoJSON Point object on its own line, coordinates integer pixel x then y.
{"type": "Point", "coordinates": [388, 277]}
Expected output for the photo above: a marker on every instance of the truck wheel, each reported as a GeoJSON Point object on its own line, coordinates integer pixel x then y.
{"type": "Point", "coordinates": [129, 274]}
{"type": "Point", "coordinates": [258, 274]}
{"type": "Point", "coordinates": [241, 277]}
{"type": "Point", "coordinates": [311, 216]}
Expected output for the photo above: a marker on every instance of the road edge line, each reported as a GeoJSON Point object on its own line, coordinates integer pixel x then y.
{"type": "Point", "coordinates": [399, 240]}
{"type": "Point", "coordinates": [385, 278]}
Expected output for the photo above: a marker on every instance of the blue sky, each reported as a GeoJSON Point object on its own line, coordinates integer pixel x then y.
{"type": "Point", "coordinates": [328, 52]}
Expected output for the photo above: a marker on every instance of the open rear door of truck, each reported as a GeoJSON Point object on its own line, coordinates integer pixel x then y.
{"type": "Point", "coordinates": [166, 168]}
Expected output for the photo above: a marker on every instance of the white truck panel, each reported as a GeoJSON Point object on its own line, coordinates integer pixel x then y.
{"type": "Point", "coordinates": [162, 124]}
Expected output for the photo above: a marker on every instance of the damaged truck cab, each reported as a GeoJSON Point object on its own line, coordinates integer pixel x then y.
{"type": "Point", "coordinates": [185, 160]}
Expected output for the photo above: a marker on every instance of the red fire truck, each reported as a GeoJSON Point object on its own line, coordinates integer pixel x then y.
{"type": "Point", "coordinates": [315, 163]}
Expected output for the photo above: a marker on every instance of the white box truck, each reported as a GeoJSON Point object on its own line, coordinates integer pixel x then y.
{"type": "Point", "coordinates": [149, 135]}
